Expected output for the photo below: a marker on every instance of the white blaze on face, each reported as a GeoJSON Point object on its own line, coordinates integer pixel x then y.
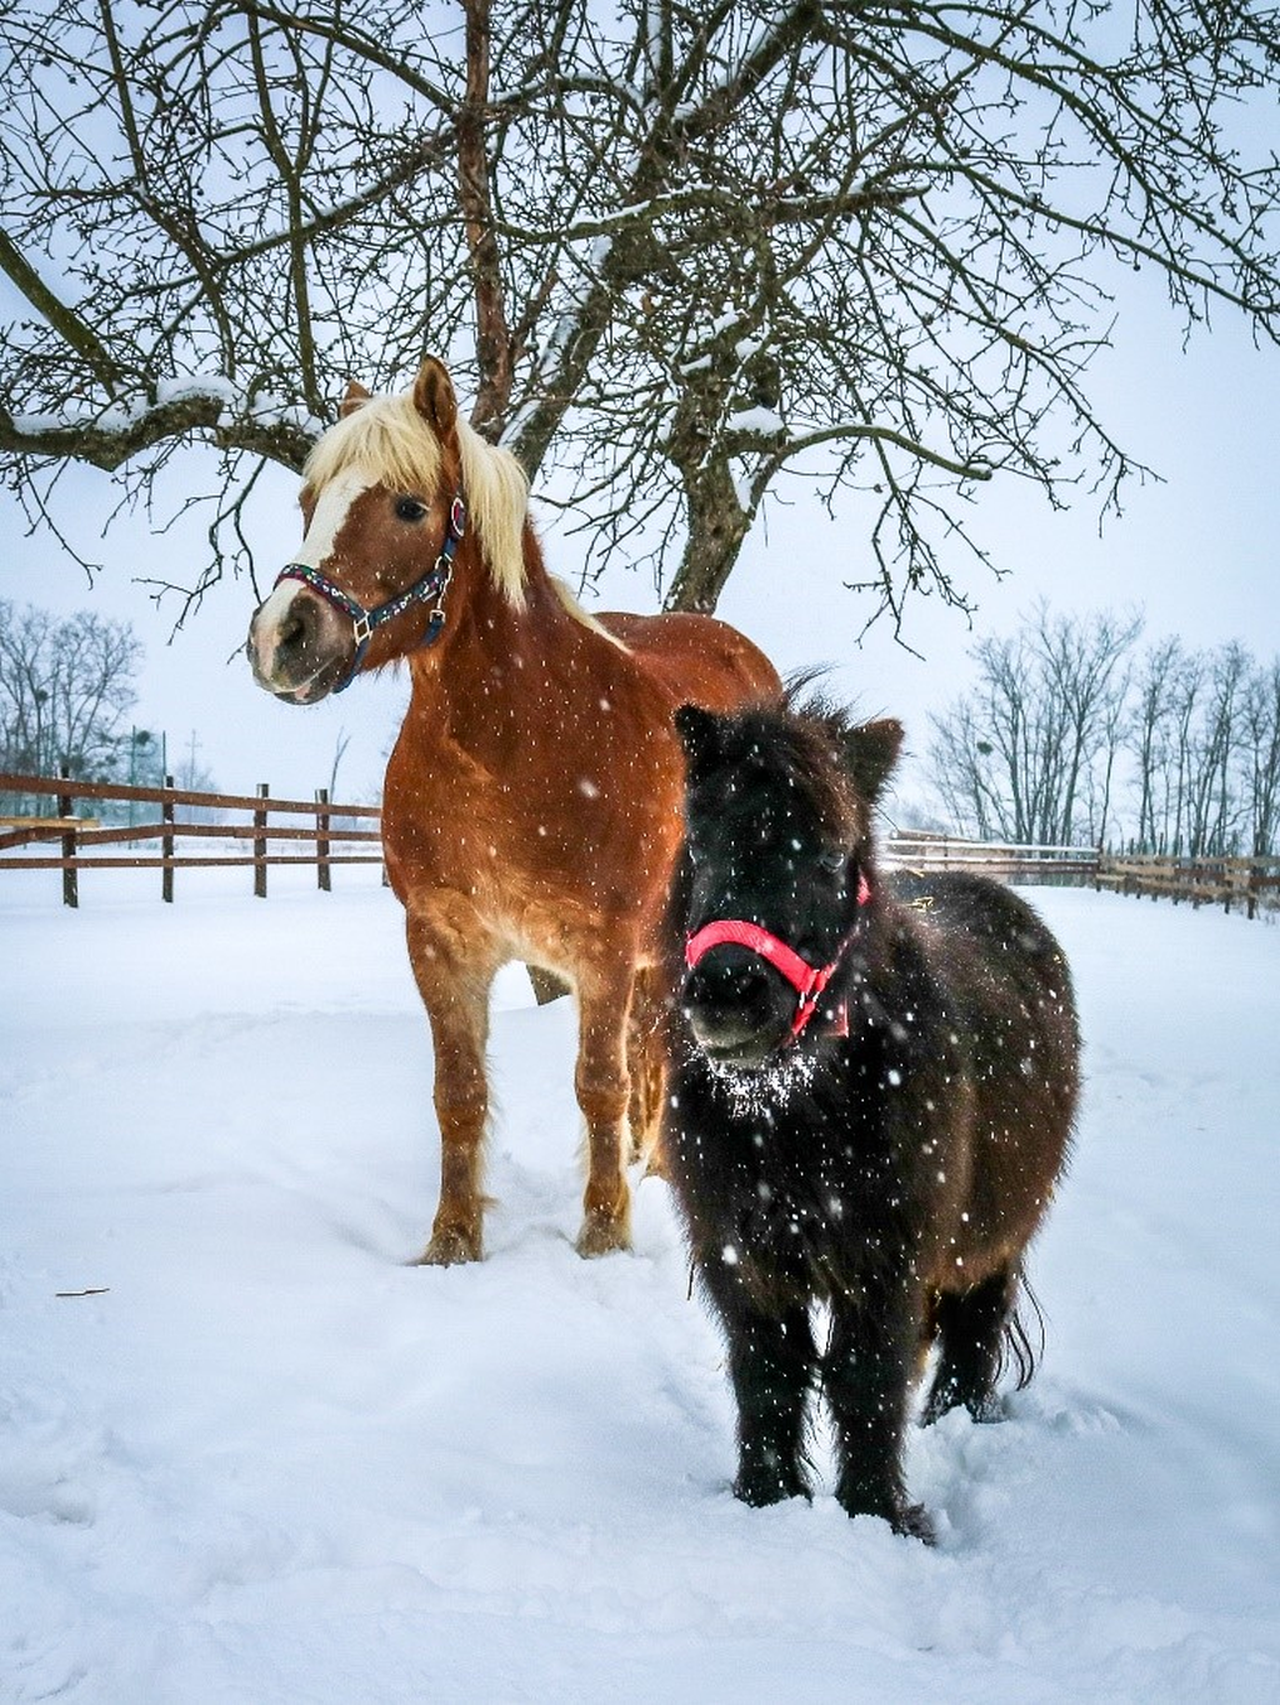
{"type": "Point", "coordinates": [328, 516]}
{"type": "Point", "coordinates": [317, 547]}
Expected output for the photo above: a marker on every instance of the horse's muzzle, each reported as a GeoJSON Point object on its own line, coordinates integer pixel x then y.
{"type": "Point", "coordinates": [739, 1010]}
{"type": "Point", "coordinates": [299, 649]}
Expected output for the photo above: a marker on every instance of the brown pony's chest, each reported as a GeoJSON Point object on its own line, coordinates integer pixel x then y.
{"type": "Point", "coordinates": [537, 840]}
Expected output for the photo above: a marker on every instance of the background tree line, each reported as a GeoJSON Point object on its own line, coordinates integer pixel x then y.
{"type": "Point", "coordinates": [686, 259]}
{"type": "Point", "coordinates": [68, 685]}
{"type": "Point", "coordinates": [1076, 732]}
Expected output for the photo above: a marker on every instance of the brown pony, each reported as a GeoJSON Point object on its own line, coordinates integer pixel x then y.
{"type": "Point", "coordinates": [532, 802]}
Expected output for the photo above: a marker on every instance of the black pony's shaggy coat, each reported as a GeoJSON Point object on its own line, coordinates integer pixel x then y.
{"type": "Point", "coordinates": [895, 1173]}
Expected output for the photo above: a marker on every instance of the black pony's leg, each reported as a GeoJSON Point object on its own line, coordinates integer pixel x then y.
{"type": "Point", "coordinates": [867, 1377]}
{"type": "Point", "coordinates": [971, 1329]}
{"type": "Point", "coordinates": [772, 1362]}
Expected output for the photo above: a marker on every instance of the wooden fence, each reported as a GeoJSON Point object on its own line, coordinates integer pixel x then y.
{"type": "Point", "coordinates": [80, 838]}
{"type": "Point", "coordinates": [1247, 882]}
{"type": "Point", "coordinates": [1251, 883]}
{"type": "Point", "coordinates": [927, 852]}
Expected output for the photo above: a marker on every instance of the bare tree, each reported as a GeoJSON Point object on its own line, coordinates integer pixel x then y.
{"type": "Point", "coordinates": [1261, 716]}
{"type": "Point", "coordinates": [1185, 697]}
{"type": "Point", "coordinates": [1084, 672]}
{"type": "Point", "coordinates": [1213, 747]}
{"type": "Point", "coordinates": [1030, 751]}
{"type": "Point", "coordinates": [1062, 724]}
{"type": "Point", "coordinates": [960, 754]}
{"type": "Point", "coordinates": [681, 254]}
{"type": "Point", "coordinates": [995, 753]}
{"type": "Point", "coordinates": [1100, 776]}
{"type": "Point", "coordinates": [1152, 742]}
{"type": "Point", "coordinates": [65, 688]}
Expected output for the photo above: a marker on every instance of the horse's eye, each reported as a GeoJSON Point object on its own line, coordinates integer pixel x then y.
{"type": "Point", "coordinates": [410, 509]}
{"type": "Point", "coordinates": [833, 859]}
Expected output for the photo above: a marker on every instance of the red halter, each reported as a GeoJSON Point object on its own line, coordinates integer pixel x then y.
{"type": "Point", "coordinates": [807, 980]}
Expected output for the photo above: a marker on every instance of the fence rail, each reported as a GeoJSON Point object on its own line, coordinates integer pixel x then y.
{"type": "Point", "coordinates": [1247, 882]}
{"type": "Point", "coordinates": [1228, 881]}
{"type": "Point", "coordinates": [928, 853]}
{"type": "Point", "coordinates": [328, 825]}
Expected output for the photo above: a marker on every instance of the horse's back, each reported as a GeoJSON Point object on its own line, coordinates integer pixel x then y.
{"type": "Point", "coordinates": [1007, 990]}
{"type": "Point", "coordinates": [994, 954]}
{"type": "Point", "coordinates": [1001, 926]}
{"type": "Point", "coordinates": [696, 658]}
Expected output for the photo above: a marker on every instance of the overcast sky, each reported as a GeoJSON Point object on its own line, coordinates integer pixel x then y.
{"type": "Point", "coordinates": [1198, 553]}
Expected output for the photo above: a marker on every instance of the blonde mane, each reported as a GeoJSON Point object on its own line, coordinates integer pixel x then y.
{"type": "Point", "coordinates": [390, 441]}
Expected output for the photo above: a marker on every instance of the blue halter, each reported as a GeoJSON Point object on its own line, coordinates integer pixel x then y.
{"type": "Point", "coordinates": [433, 585]}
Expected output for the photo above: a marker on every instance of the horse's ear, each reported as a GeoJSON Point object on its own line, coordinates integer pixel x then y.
{"type": "Point", "coordinates": [433, 396]}
{"type": "Point", "coordinates": [699, 732]}
{"type": "Point", "coordinates": [355, 398]}
{"type": "Point", "coordinates": [870, 753]}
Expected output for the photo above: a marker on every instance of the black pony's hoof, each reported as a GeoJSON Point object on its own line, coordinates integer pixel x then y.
{"type": "Point", "coordinates": [911, 1520]}
{"type": "Point", "coordinates": [915, 1522]}
{"type": "Point", "coordinates": [986, 1409]}
{"type": "Point", "coordinates": [763, 1486]}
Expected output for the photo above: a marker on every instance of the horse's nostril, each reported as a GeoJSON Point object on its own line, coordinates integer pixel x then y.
{"type": "Point", "coordinates": [298, 630]}
{"type": "Point", "coordinates": [747, 984]}
{"type": "Point", "coordinates": [731, 983]}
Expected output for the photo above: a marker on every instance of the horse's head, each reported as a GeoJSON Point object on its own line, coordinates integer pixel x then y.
{"type": "Point", "coordinates": [777, 873]}
{"type": "Point", "coordinates": [386, 499]}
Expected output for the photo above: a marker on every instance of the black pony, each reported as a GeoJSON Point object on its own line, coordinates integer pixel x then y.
{"type": "Point", "coordinates": [874, 1082]}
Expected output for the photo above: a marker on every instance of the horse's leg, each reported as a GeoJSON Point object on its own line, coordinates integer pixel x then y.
{"type": "Point", "coordinates": [772, 1363]}
{"type": "Point", "coordinates": [604, 1094]}
{"type": "Point", "coordinates": [971, 1326]}
{"type": "Point", "coordinates": [646, 1068]}
{"type": "Point", "coordinates": [866, 1379]}
{"type": "Point", "coordinates": [454, 985]}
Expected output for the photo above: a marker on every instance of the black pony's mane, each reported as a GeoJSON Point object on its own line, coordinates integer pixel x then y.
{"type": "Point", "coordinates": [807, 736]}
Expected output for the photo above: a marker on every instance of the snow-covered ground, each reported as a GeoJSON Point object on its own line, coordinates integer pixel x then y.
{"type": "Point", "coordinates": [267, 1462]}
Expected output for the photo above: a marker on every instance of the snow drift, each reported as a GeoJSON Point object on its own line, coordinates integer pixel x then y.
{"type": "Point", "coordinates": [247, 1455]}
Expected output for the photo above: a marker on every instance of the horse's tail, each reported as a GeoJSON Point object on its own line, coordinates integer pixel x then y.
{"type": "Point", "coordinates": [1021, 1350]}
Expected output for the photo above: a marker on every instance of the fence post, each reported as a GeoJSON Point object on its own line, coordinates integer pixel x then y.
{"type": "Point", "coordinates": [323, 879]}
{"type": "Point", "coordinates": [260, 847]}
{"type": "Point", "coordinates": [70, 875]}
{"type": "Point", "coordinates": [166, 847]}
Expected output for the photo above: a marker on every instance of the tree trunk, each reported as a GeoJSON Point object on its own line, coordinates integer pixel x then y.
{"type": "Point", "coordinates": [717, 524]}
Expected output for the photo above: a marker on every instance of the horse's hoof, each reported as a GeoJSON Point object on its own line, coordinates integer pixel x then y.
{"type": "Point", "coordinates": [655, 1163]}
{"type": "Point", "coordinates": [911, 1520]}
{"type": "Point", "coordinates": [988, 1409]}
{"type": "Point", "coordinates": [763, 1487]}
{"type": "Point", "coordinates": [602, 1237]}
{"type": "Point", "coordinates": [937, 1406]}
{"type": "Point", "coordinates": [915, 1522]}
{"type": "Point", "coordinates": [451, 1248]}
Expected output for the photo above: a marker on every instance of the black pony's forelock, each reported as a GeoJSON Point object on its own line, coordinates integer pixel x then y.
{"type": "Point", "coordinates": [803, 737]}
